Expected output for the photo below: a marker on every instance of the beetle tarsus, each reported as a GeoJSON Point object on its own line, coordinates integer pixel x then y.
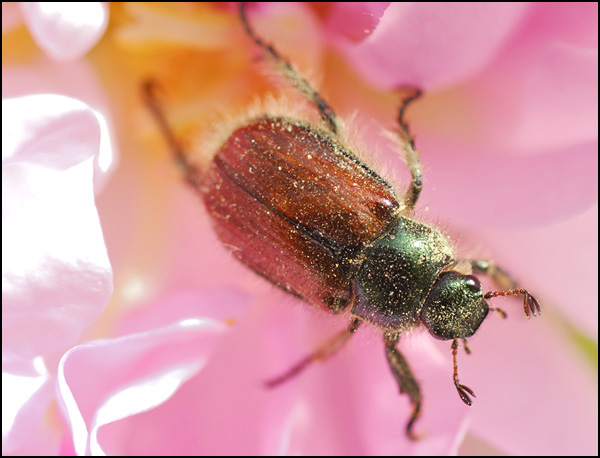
{"type": "Point", "coordinates": [416, 413]}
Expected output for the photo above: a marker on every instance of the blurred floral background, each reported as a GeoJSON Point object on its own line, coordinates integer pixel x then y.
{"type": "Point", "coordinates": [129, 329]}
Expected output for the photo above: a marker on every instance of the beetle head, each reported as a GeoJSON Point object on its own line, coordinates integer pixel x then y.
{"type": "Point", "coordinates": [455, 307]}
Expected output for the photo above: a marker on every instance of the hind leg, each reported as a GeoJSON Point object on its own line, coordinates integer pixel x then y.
{"type": "Point", "coordinates": [410, 153]}
{"type": "Point", "coordinates": [192, 174]}
{"type": "Point", "coordinates": [295, 78]}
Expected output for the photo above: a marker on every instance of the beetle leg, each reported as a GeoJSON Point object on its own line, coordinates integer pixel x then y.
{"type": "Point", "coordinates": [531, 305]}
{"type": "Point", "coordinates": [322, 353]}
{"type": "Point", "coordinates": [498, 275]}
{"type": "Point", "coordinates": [466, 347]}
{"type": "Point", "coordinates": [192, 174]}
{"type": "Point", "coordinates": [410, 153]}
{"type": "Point", "coordinates": [405, 379]}
{"type": "Point", "coordinates": [296, 79]}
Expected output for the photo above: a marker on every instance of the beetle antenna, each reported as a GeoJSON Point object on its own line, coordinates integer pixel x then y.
{"type": "Point", "coordinates": [463, 390]}
{"type": "Point", "coordinates": [530, 303]}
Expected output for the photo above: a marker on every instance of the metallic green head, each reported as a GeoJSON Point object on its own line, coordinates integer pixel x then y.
{"type": "Point", "coordinates": [455, 307]}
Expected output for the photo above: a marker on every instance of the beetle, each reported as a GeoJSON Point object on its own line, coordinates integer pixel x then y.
{"type": "Point", "coordinates": [297, 205]}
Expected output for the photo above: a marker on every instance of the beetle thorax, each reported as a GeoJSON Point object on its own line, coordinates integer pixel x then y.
{"type": "Point", "coordinates": [398, 272]}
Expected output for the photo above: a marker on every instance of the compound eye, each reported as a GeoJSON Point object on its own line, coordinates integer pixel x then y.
{"type": "Point", "coordinates": [473, 283]}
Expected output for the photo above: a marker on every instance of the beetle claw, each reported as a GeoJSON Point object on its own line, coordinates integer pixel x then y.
{"type": "Point", "coordinates": [462, 392]}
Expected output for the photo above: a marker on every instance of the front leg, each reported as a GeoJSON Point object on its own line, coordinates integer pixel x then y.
{"type": "Point", "coordinates": [405, 379]}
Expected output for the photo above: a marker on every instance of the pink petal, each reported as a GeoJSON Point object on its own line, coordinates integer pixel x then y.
{"type": "Point", "coordinates": [509, 190]}
{"type": "Point", "coordinates": [56, 275]}
{"type": "Point", "coordinates": [530, 100]}
{"type": "Point", "coordinates": [226, 305]}
{"type": "Point", "coordinates": [106, 381]}
{"type": "Point", "coordinates": [429, 45]}
{"type": "Point", "coordinates": [222, 409]}
{"type": "Point", "coordinates": [65, 31]}
{"type": "Point", "coordinates": [27, 390]}
{"type": "Point", "coordinates": [355, 20]}
{"type": "Point", "coordinates": [11, 16]}
{"type": "Point", "coordinates": [534, 395]}
{"type": "Point", "coordinates": [560, 100]}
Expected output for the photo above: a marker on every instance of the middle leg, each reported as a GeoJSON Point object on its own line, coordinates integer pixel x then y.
{"type": "Point", "coordinates": [323, 352]}
{"type": "Point", "coordinates": [410, 153]}
{"type": "Point", "coordinates": [405, 379]}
